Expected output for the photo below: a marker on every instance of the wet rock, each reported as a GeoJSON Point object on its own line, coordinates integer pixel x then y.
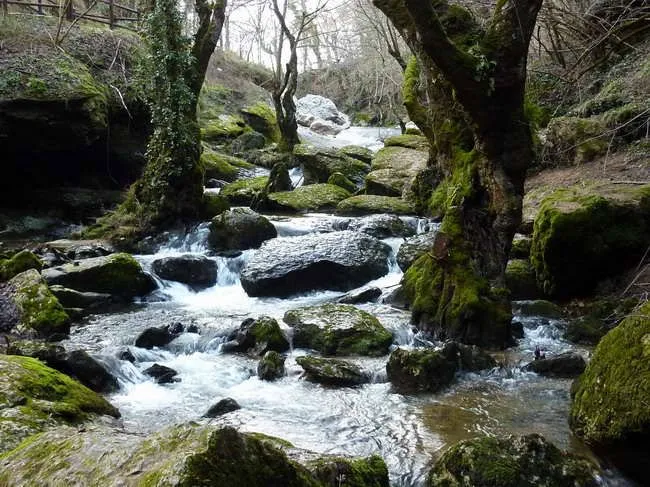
{"type": "Point", "coordinates": [215, 183]}
{"type": "Point", "coordinates": [382, 226]}
{"type": "Point", "coordinates": [71, 298]}
{"type": "Point", "coordinates": [393, 171]}
{"type": "Point", "coordinates": [365, 204]}
{"type": "Point", "coordinates": [271, 366]}
{"type": "Point", "coordinates": [520, 280]}
{"type": "Point", "coordinates": [240, 228]}
{"type": "Point", "coordinates": [257, 337]}
{"type": "Point", "coordinates": [610, 409]}
{"type": "Point", "coordinates": [332, 471]}
{"type": "Point", "coordinates": [430, 370]}
{"type": "Point", "coordinates": [279, 179]}
{"type": "Point", "coordinates": [30, 309]}
{"type": "Point", "coordinates": [117, 274]}
{"type": "Point", "coordinates": [319, 164]}
{"type": "Point", "coordinates": [222, 407]}
{"type": "Point", "coordinates": [195, 270]}
{"type": "Point", "coordinates": [360, 296]}
{"type": "Point", "coordinates": [90, 372]}
{"type": "Point", "coordinates": [162, 374]}
{"type": "Point", "coordinates": [396, 298]}
{"type": "Point", "coordinates": [126, 355]}
{"type": "Point", "coordinates": [50, 354]}
{"type": "Point", "coordinates": [363, 154]}
{"type": "Point", "coordinates": [413, 248]}
{"type": "Point", "coordinates": [81, 249]}
{"type": "Point", "coordinates": [313, 197]}
{"type": "Point", "coordinates": [517, 328]}
{"type": "Point", "coordinates": [20, 262]}
{"type": "Point", "coordinates": [338, 261]}
{"type": "Point", "coordinates": [316, 108]}
{"type": "Point", "coordinates": [154, 337]}
{"type": "Point", "coordinates": [538, 307]}
{"type": "Point", "coordinates": [568, 364]}
{"type": "Point", "coordinates": [248, 141]}
{"type": "Point", "coordinates": [332, 372]}
{"type": "Point", "coordinates": [515, 461]}
{"type": "Point", "coordinates": [36, 397]}
{"type": "Point", "coordinates": [338, 329]}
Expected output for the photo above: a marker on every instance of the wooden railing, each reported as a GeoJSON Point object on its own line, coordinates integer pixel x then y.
{"type": "Point", "coordinates": [117, 15]}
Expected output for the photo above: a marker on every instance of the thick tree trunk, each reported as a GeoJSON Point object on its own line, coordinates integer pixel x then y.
{"type": "Point", "coordinates": [471, 110]}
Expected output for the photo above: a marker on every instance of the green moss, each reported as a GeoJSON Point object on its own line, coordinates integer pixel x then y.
{"type": "Point", "coordinates": [370, 203]}
{"type": "Point", "coordinates": [20, 262]}
{"type": "Point", "coordinates": [267, 330]}
{"type": "Point", "coordinates": [520, 279]}
{"type": "Point", "coordinates": [313, 197]}
{"type": "Point", "coordinates": [261, 117]}
{"type": "Point", "coordinates": [521, 247]}
{"type": "Point", "coordinates": [417, 142]}
{"type": "Point", "coordinates": [411, 98]}
{"type": "Point", "coordinates": [538, 307]}
{"type": "Point", "coordinates": [351, 472]}
{"type": "Point", "coordinates": [319, 164]}
{"type": "Point", "coordinates": [243, 192]}
{"type": "Point", "coordinates": [341, 181]}
{"type": "Point", "coordinates": [213, 205]}
{"type": "Point", "coordinates": [221, 166]}
{"type": "Point", "coordinates": [580, 238]}
{"type": "Point", "coordinates": [226, 127]}
{"type": "Point", "coordinates": [454, 189]}
{"type": "Point", "coordinates": [610, 399]}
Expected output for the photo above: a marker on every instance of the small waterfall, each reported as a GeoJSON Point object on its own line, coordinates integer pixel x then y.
{"type": "Point", "coordinates": [297, 177]}
{"type": "Point", "coordinates": [195, 241]}
{"type": "Point", "coordinates": [229, 268]}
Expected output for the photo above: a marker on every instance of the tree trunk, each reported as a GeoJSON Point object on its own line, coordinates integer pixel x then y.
{"type": "Point", "coordinates": [470, 107]}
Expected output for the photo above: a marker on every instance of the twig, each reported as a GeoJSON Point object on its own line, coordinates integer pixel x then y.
{"type": "Point", "coordinates": [122, 100]}
{"type": "Point", "coordinates": [117, 51]}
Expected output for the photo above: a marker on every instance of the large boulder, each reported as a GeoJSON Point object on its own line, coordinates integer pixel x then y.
{"type": "Point", "coordinates": [90, 372]}
{"type": "Point", "coordinates": [515, 461]}
{"type": "Point", "coordinates": [71, 298]}
{"type": "Point", "coordinates": [584, 235]}
{"type": "Point", "coordinates": [244, 191]}
{"type": "Point", "coordinates": [357, 152]}
{"type": "Point", "coordinates": [382, 226]}
{"type": "Point", "coordinates": [195, 270]}
{"type": "Point", "coordinates": [430, 370]}
{"type": "Point", "coordinates": [222, 166]}
{"type": "Point", "coordinates": [365, 204]}
{"type": "Point", "coordinates": [34, 397]}
{"type": "Point", "coordinates": [394, 169]}
{"type": "Point", "coordinates": [567, 364]}
{"type": "Point", "coordinates": [261, 117]}
{"type": "Point", "coordinates": [320, 163]}
{"type": "Point", "coordinates": [610, 400]}
{"type": "Point", "coordinates": [338, 329]}
{"type": "Point", "coordinates": [257, 337]}
{"type": "Point", "coordinates": [314, 197]}
{"type": "Point", "coordinates": [338, 260]}
{"type": "Point", "coordinates": [182, 455]}
{"type": "Point", "coordinates": [332, 372]}
{"type": "Point", "coordinates": [19, 262]}
{"type": "Point", "coordinates": [27, 307]}
{"type": "Point", "coordinates": [316, 109]}
{"type": "Point", "coordinates": [413, 248]}
{"type": "Point", "coordinates": [117, 274]}
{"type": "Point", "coordinates": [240, 229]}
{"type": "Point", "coordinates": [80, 249]}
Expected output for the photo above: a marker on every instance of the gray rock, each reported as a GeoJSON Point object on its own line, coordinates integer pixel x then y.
{"type": "Point", "coordinates": [338, 261]}
{"type": "Point", "coordinates": [161, 374]}
{"type": "Point", "coordinates": [271, 366]}
{"type": "Point", "coordinates": [71, 298]}
{"type": "Point", "coordinates": [363, 295]}
{"type": "Point", "coordinates": [310, 108]}
{"type": "Point", "coordinates": [382, 226]}
{"type": "Point", "coordinates": [224, 406]}
{"type": "Point", "coordinates": [319, 164]}
{"type": "Point", "coordinates": [81, 249]}
{"type": "Point", "coordinates": [325, 127]}
{"type": "Point", "coordinates": [568, 364]}
{"type": "Point", "coordinates": [155, 337]}
{"type": "Point", "coordinates": [332, 372]}
{"type": "Point", "coordinates": [413, 248]}
{"type": "Point", "coordinates": [240, 229]}
{"type": "Point", "coordinates": [195, 270]}
{"type": "Point", "coordinates": [90, 372]}
{"type": "Point", "coordinates": [257, 337]}
{"type": "Point", "coordinates": [247, 141]}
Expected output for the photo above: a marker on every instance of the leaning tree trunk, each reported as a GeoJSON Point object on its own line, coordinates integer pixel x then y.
{"type": "Point", "coordinates": [481, 146]}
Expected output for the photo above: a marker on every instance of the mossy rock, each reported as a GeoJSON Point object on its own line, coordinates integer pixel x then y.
{"type": "Point", "coordinates": [36, 311]}
{"type": "Point", "coordinates": [222, 128]}
{"type": "Point", "coordinates": [180, 456]}
{"type": "Point", "coordinates": [268, 334]}
{"type": "Point", "coordinates": [521, 247]}
{"type": "Point", "coordinates": [244, 191]}
{"type": "Point", "coordinates": [537, 307]}
{"type": "Point", "coordinates": [20, 262]}
{"type": "Point", "coordinates": [271, 366]}
{"type": "Point", "coordinates": [117, 274]}
{"type": "Point", "coordinates": [240, 229]}
{"type": "Point", "coordinates": [586, 234]}
{"type": "Point", "coordinates": [341, 181]}
{"type": "Point", "coordinates": [319, 164]}
{"type": "Point", "coordinates": [214, 204]}
{"type": "Point", "coordinates": [222, 166]}
{"type": "Point", "coordinates": [410, 141]}
{"type": "Point", "coordinates": [332, 372]}
{"type": "Point", "coordinates": [313, 197]}
{"type": "Point", "coordinates": [610, 400]}
{"type": "Point", "coordinates": [516, 461]}
{"type": "Point", "coordinates": [573, 140]}
{"type": "Point", "coordinates": [34, 397]}
{"type": "Point", "coordinates": [261, 117]}
{"type": "Point", "coordinates": [394, 170]}
{"type": "Point", "coordinates": [520, 279]}
{"type": "Point", "coordinates": [338, 329]}
{"type": "Point", "coordinates": [357, 152]}
{"type": "Point", "coordinates": [593, 319]}
{"type": "Point", "coordinates": [367, 204]}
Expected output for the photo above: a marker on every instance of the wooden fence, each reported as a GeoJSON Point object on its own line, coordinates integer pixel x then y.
{"type": "Point", "coordinates": [114, 15]}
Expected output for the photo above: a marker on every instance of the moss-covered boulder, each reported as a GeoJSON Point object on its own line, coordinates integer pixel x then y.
{"type": "Point", "coordinates": [117, 274]}
{"type": "Point", "coordinates": [394, 169]}
{"type": "Point", "coordinates": [363, 154]}
{"type": "Point", "coordinates": [257, 337]}
{"type": "Point", "coordinates": [341, 181]}
{"type": "Point", "coordinates": [244, 191]}
{"type": "Point", "coordinates": [319, 164]}
{"type": "Point", "coordinates": [30, 309]}
{"type": "Point", "coordinates": [413, 248]}
{"type": "Point", "coordinates": [366, 204]}
{"type": "Point", "coordinates": [222, 128]}
{"type": "Point", "coordinates": [261, 117]}
{"type": "Point", "coordinates": [585, 234]}
{"type": "Point", "coordinates": [332, 372]}
{"type": "Point", "coordinates": [338, 329]}
{"type": "Point", "coordinates": [610, 400]}
{"type": "Point", "coordinates": [430, 370]}
{"type": "Point", "coordinates": [521, 247]}
{"type": "Point", "coordinates": [537, 307]}
{"type": "Point", "coordinates": [313, 197]}
{"type": "Point", "coordinates": [183, 455]}
{"type": "Point", "coordinates": [271, 366]}
{"type": "Point", "coordinates": [222, 166]}
{"type": "Point", "coordinates": [240, 229]}
{"type": "Point", "coordinates": [409, 141]}
{"type": "Point", "coordinates": [515, 461]}
{"type": "Point", "coordinates": [19, 262]}
{"type": "Point", "coordinates": [213, 204]}
{"type": "Point", "coordinates": [520, 279]}
{"type": "Point", "coordinates": [34, 397]}
{"type": "Point", "coordinates": [573, 140]}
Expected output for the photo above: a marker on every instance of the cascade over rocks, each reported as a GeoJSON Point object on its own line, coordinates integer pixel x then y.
{"type": "Point", "coordinates": [337, 260]}
{"type": "Point", "coordinates": [240, 229]}
{"type": "Point", "coordinates": [157, 337]}
{"type": "Point", "coordinates": [363, 295]}
{"type": "Point", "coordinates": [514, 461]}
{"type": "Point", "coordinates": [338, 329]}
{"type": "Point", "coordinates": [161, 374]}
{"type": "Point", "coordinates": [430, 370]}
{"type": "Point", "coordinates": [332, 372]}
{"type": "Point", "coordinates": [194, 270]}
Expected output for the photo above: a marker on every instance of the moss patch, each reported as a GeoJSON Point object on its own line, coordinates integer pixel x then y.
{"type": "Point", "coordinates": [20, 262]}
{"type": "Point", "coordinates": [417, 142]}
{"type": "Point", "coordinates": [313, 197]}
{"type": "Point", "coordinates": [367, 204]}
{"type": "Point", "coordinates": [243, 192]}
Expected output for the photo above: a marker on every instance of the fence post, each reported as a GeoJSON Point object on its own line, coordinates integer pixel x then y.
{"type": "Point", "coordinates": [111, 14]}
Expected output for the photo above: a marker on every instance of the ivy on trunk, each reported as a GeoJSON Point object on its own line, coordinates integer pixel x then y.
{"type": "Point", "coordinates": [466, 92]}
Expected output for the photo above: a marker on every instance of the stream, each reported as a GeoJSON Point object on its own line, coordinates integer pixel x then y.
{"type": "Point", "coordinates": [407, 431]}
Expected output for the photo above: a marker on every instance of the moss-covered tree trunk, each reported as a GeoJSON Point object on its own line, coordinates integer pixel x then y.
{"type": "Point", "coordinates": [473, 78]}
